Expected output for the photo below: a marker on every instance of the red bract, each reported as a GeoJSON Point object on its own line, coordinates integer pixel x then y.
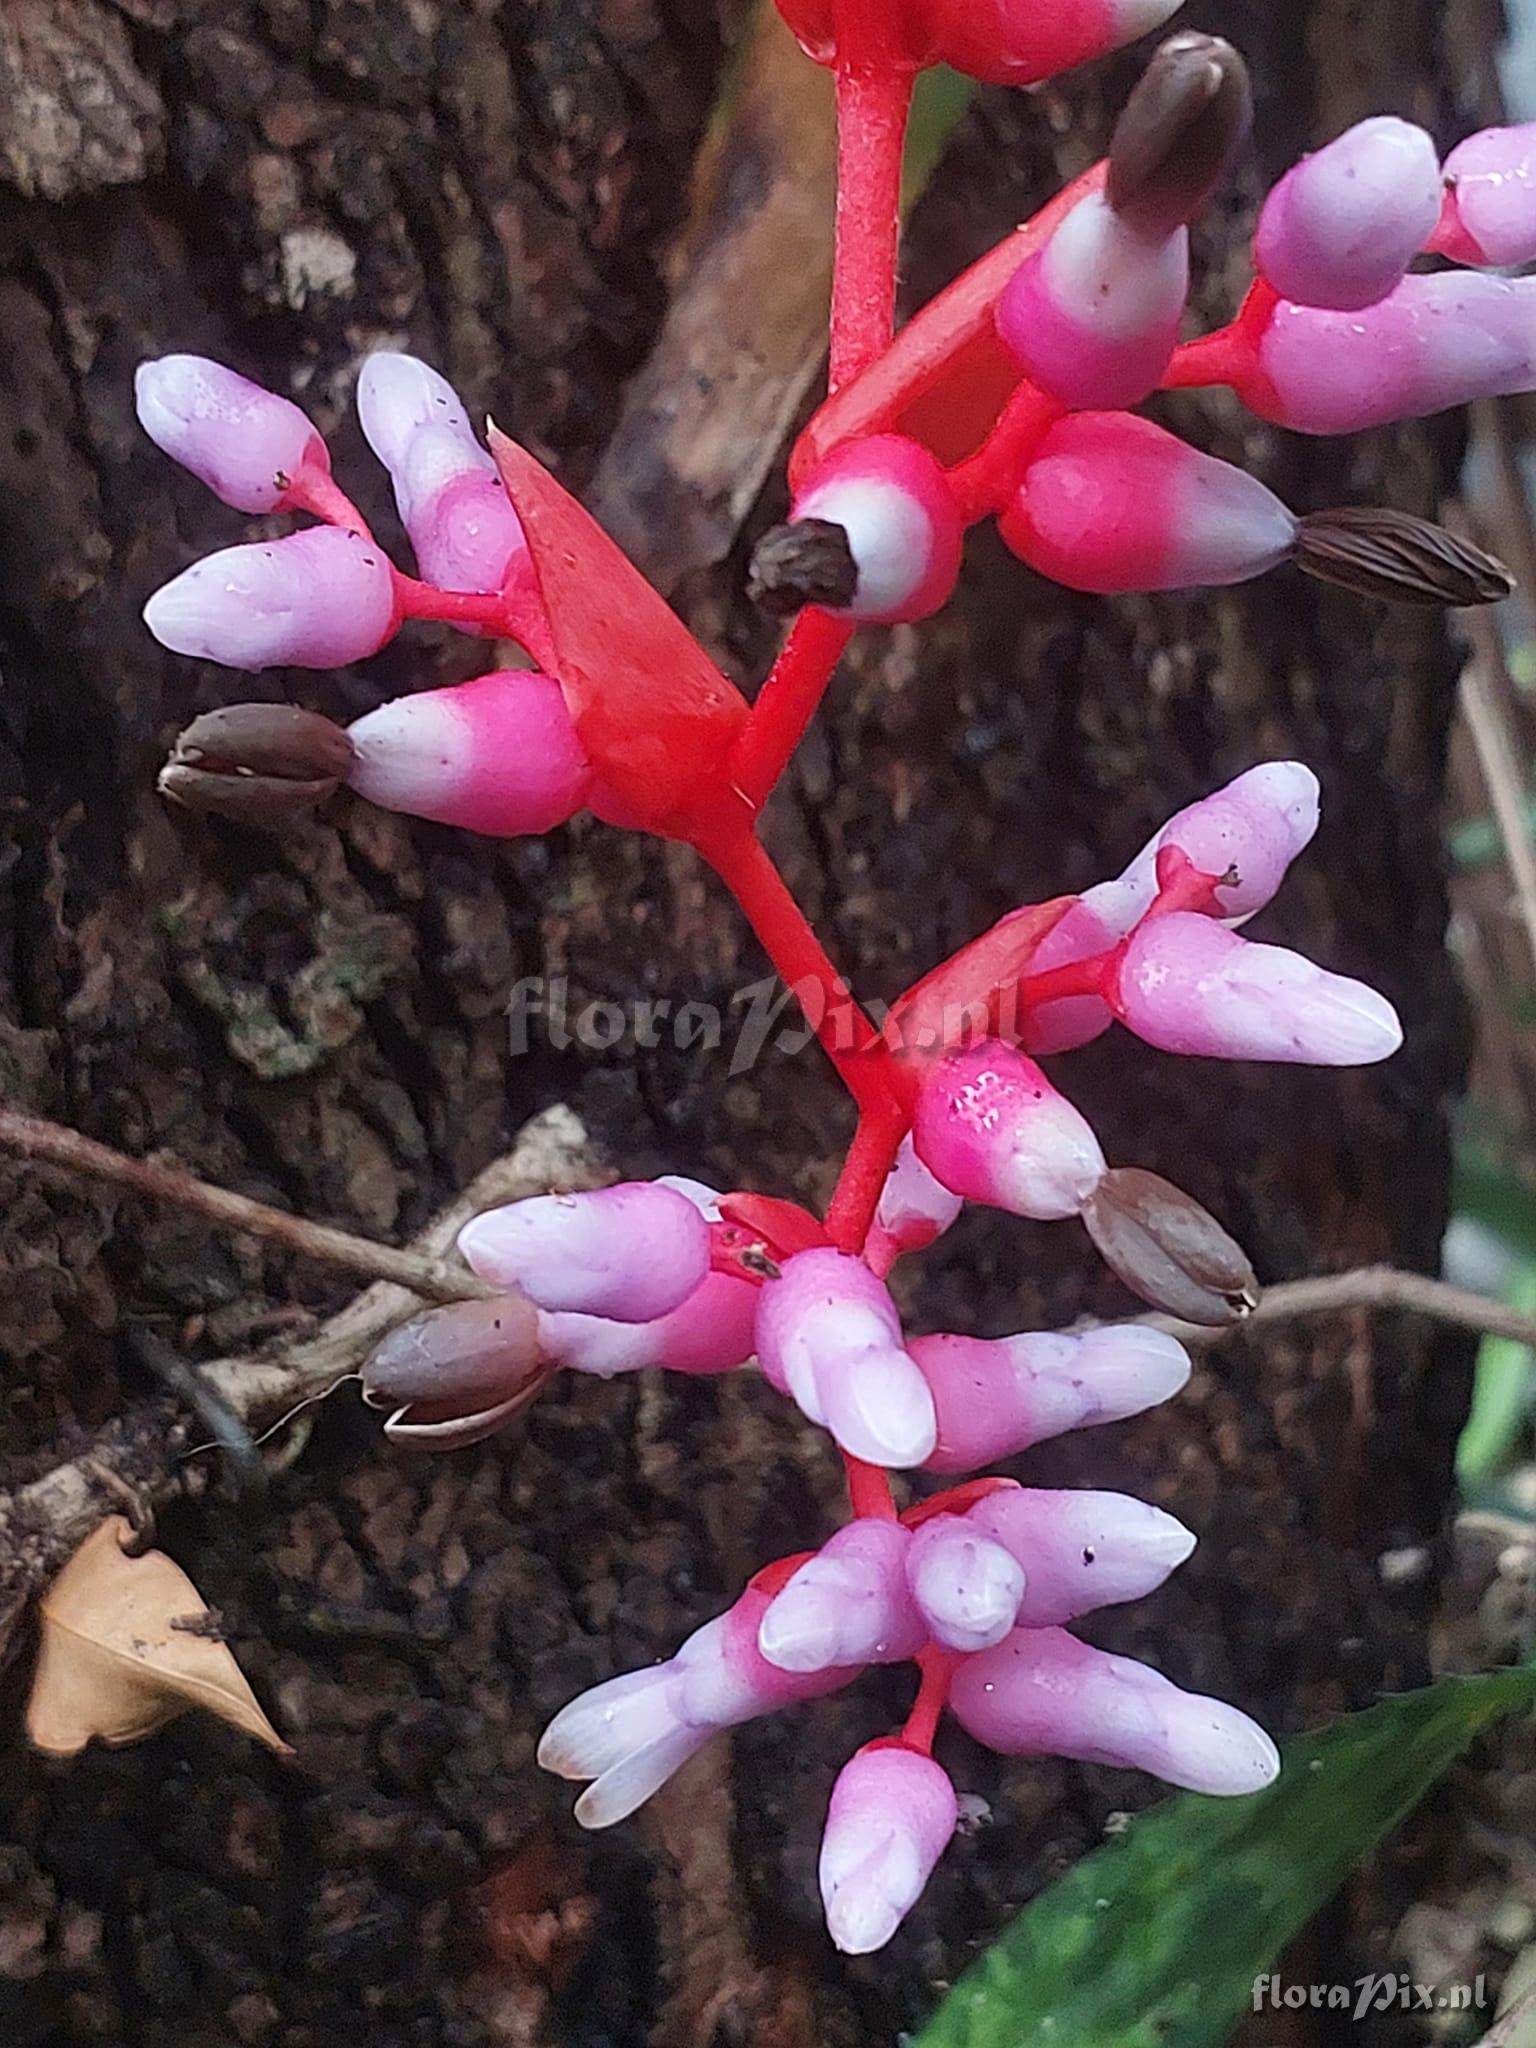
{"type": "Point", "coordinates": [656, 716]}
{"type": "Point", "coordinates": [972, 995]}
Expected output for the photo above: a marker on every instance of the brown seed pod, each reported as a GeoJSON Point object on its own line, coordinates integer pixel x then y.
{"type": "Point", "coordinates": [1169, 1250]}
{"type": "Point", "coordinates": [807, 562]}
{"type": "Point", "coordinates": [261, 764]}
{"type": "Point", "coordinates": [458, 1373]}
{"type": "Point", "coordinates": [1179, 134]}
{"type": "Point", "coordinates": [1398, 557]}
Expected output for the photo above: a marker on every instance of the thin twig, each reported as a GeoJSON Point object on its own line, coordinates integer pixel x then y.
{"type": "Point", "coordinates": [1366, 1287]}
{"type": "Point", "coordinates": [71, 1152]}
{"type": "Point", "coordinates": [137, 1461]}
{"type": "Point", "coordinates": [1498, 758]}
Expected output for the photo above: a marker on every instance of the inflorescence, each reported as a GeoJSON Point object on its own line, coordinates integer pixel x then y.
{"type": "Point", "coordinates": [1007, 398]}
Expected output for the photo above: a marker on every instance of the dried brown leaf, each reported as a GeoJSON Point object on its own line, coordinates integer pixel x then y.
{"type": "Point", "coordinates": [117, 1660]}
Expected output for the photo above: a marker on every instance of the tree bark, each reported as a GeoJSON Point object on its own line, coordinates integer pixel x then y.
{"type": "Point", "coordinates": [321, 1021]}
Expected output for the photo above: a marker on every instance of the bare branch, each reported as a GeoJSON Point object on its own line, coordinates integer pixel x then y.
{"type": "Point", "coordinates": [1367, 1287]}
{"type": "Point", "coordinates": [71, 1152]}
{"type": "Point", "coordinates": [137, 1461]}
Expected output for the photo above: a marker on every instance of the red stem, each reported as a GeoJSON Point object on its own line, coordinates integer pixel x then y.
{"type": "Point", "coordinates": [787, 703]}
{"type": "Point", "coordinates": [869, 1491]}
{"type": "Point", "coordinates": [985, 481]}
{"type": "Point", "coordinates": [847, 1036]}
{"type": "Point", "coordinates": [851, 1212]}
{"type": "Point", "coordinates": [1231, 354]}
{"type": "Point", "coordinates": [513, 615]}
{"type": "Point", "coordinates": [937, 1667]}
{"type": "Point", "coordinates": [874, 97]}
{"type": "Point", "coordinates": [313, 489]}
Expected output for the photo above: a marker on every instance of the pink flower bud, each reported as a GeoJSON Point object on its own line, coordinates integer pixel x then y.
{"type": "Point", "coordinates": [1189, 985]}
{"type": "Point", "coordinates": [630, 1735]}
{"type": "Point", "coordinates": [450, 497]}
{"type": "Point", "coordinates": [828, 1335]}
{"type": "Point", "coordinates": [1043, 1693]}
{"type": "Point", "coordinates": [316, 599]}
{"type": "Point", "coordinates": [710, 1333]}
{"type": "Point", "coordinates": [498, 755]}
{"type": "Point", "coordinates": [1093, 317]}
{"type": "Point", "coordinates": [1113, 503]}
{"type": "Point", "coordinates": [1342, 227]}
{"type": "Point", "coordinates": [1252, 830]}
{"type": "Point", "coordinates": [632, 1252]}
{"type": "Point", "coordinates": [895, 504]}
{"type": "Point", "coordinates": [995, 1397]}
{"type": "Point", "coordinates": [1490, 207]}
{"type": "Point", "coordinates": [1081, 1550]}
{"type": "Point", "coordinates": [966, 1586]}
{"type": "Point", "coordinates": [991, 1127]}
{"type": "Point", "coordinates": [814, 24]}
{"type": "Point", "coordinates": [892, 1816]}
{"type": "Point", "coordinates": [847, 1605]}
{"type": "Point", "coordinates": [1022, 42]}
{"type": "Point", "coordinates": [915, 1209]}
{"type": "Point", "coordinates": [1434, 343]}
{"type": "Point", "coordinates": [244, 443]}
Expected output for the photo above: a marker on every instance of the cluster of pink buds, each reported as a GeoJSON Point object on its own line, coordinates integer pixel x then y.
{"type": "Point", "coordinates": [1006, 399]}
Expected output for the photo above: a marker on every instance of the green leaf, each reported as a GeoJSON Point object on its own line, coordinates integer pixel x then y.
{"type": "Point", "coordinates": [1155, 1940]}
{"type": "Point", "coordinates": [939, 100]}
{"type": "Point", "coordinates": [1501, 1394]}
{"type": "Point", "coordinates": [1493, 1196]}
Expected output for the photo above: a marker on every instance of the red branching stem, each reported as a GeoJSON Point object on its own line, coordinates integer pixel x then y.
{"type": "Point", "coordinates": [869, 1491]}
{"type": "Point", "coordinates": [874, 97]}
{"type": "Point", "coordinates": [846, 1034]}
{"type": "Point", "coordinates": [1090, 977]}
{"type": "Point", "coordinates": [512, 615]}
{"type": "Point", "coordinates": [985, 481]}
{"type": "Point", "coordinates": [936, 1667]}
{"type": "Point", "coordinates": [316, 491]}
{"type": "Point", "coordinates": [419, 600]}
{"type": "Point", "coordinates": [851, 1212]}
{"type": "Point", "coordinates": [787, 703]}
{"type": "Point", "coordinates": [1230, 355]}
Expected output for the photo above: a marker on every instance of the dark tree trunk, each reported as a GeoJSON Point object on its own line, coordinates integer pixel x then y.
{"type": "Point", "coordinates": [320, 1021]}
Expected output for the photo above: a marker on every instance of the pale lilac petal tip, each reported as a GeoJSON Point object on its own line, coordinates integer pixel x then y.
{"type": "Point", "coordinates": [1341, 228]}
{"type": "Point", "coordinates": [892, 1815]}
{"type": "Point", "coordinates": [1188, 985]}
{"type": "Point", "coordinates": [967, 1586]}
{"type": "Point", "coordinates": [995, 1397]}
{"type": "Point", "coordinates": [246, 444]}
{"type": "Point", "coordinates": [632, 1252]}
{"type": "Point", "coordinates": [991, 1128]}
{"type": "Point", "coordinates": [316, 599]}
{"type": "Point", "coordinates": [828, 1335]}
{"type": "Point", "coordinates": [1492, 185]}
{"type": "Point", "coordinates": [497, 755]}
{"type": "Point", "coordinates": [1044, 1693]}
{"type": "Point", "coordinates": [915, 1208]}
{"type": "Point", "coordinates": [847, 1605]}
{"type": "Point", "coordinates": [1081, 1550]}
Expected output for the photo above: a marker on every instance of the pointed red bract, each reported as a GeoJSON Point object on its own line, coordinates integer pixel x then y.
{"type": "Point", "coordinates": [965, 998]}
{"type": "Point", "coordinates": [784, 1227]}
{"type": "Point", "coordinates": [656, 716]}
